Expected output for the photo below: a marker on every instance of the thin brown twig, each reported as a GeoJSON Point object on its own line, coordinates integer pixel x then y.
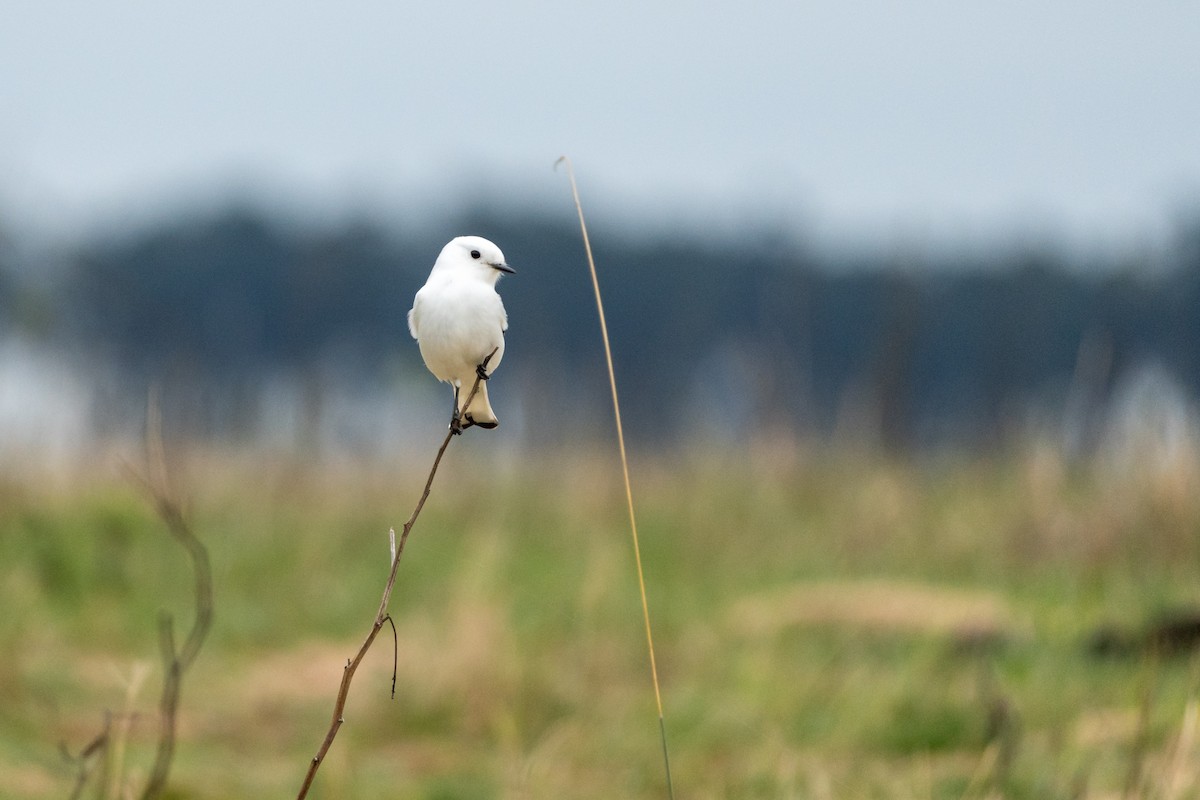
{"type": "Point", "coordinates": [156, 485]}
{"type": "Point", "coordinates": [175, 662]}
{"type": "Point", "coordinates": [381, 615]}
{"type": "Point", "coordinates": [89, 756]}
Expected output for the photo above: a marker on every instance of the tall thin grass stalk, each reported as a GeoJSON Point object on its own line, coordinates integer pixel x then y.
{"type": "Point", "coordinates": [381, 616]}
{"type": "Point", "coordinates": [1139, 749]}
{"type": "Point", "coordinates": [1176, 777]}
{"type": "Point", "coordinates": [637, 551]}
{"type": "Point", "coordinates": [124, 725]}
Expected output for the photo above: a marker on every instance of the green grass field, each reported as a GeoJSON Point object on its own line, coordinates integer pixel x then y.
{"type": "Point", "coordinates": [826, 628]}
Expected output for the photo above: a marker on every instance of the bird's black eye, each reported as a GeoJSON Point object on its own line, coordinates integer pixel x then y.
{"type": "Point", "coordinates": [474, 254]}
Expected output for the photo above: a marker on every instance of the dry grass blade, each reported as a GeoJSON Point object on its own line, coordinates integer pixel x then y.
{"type": "Point", "coordinates": [612, 382]}
{"type": "Point", "coordinates": [1177, 777]}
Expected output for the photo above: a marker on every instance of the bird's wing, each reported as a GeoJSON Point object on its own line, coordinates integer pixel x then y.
{"type": "Point", "coordinates": [414, 316]}
{"type": "Point", "coordinates": [503, 317]}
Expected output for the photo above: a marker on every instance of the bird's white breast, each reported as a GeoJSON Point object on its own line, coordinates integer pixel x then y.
{"type": "Point", "coordinates": [457, 323]}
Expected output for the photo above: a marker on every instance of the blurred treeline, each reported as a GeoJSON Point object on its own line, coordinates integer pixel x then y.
{"type": "Point", "coordinates": [715, 338]}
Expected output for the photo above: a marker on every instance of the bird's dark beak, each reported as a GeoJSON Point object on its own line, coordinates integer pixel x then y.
{"type": "Point", "coordinates": [504, 268]}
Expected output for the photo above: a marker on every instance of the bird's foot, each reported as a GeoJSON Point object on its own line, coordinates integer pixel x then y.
{"type": "Point", "coordinates": [481, 368]}
{"type": "Point", "coordinates": [460, 422]}
{"type": "Point", "coordinates": [485, 425]}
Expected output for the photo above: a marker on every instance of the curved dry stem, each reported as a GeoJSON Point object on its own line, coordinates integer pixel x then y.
{"type": "Point", "coordinates": [381, 615]}
{"type": "Point", "coordinates": [175, 662]}
{"type": "Point", "coordinates": [91, 754]}
{"type": "Point", "coordinates": [156, 485]}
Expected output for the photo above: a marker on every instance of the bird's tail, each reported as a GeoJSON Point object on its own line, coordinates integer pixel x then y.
{"type": "Point", "coordinates": [479, 412]}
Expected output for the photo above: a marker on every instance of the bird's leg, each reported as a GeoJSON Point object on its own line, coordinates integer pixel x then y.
{"type": "Point", "coordinates": [456, 426]}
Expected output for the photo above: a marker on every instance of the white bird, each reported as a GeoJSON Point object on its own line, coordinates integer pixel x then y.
{"type": "Point", "coordinates": [458, 319]}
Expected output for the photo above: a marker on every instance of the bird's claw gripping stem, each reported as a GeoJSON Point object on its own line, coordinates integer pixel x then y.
{"type": "Point", "coordinates": [481, 368]}
{"type": "Point", "coordinates": [457, 426]}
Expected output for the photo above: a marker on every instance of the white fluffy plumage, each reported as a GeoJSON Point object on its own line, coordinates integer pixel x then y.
{"type": "Point", "coordinates": [458, 318]}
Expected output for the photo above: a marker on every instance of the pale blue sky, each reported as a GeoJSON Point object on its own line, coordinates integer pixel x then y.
{"type": "Point", "coordinates": [946, 119]}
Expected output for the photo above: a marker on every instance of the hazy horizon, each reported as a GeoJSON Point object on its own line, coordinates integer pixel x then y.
{"type": "Point", "coordinates": [861, 122]}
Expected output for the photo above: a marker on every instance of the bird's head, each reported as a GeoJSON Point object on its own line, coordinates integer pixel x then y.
{"type": "Point", "coordinates": [473, 255]}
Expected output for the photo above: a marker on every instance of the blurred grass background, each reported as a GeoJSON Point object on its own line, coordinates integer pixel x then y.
{"type": "Point", "coordinates": [903, 309]}
{"type": "Point", "coordinates": [827, 626]}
